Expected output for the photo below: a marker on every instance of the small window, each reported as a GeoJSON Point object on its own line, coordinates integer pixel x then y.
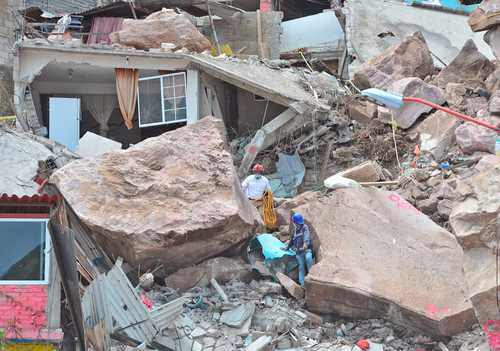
{"type": "Point", "coordinates": [258, 98]}
{"type": "Point", "coordinates": [24, 257]}
{"type": "Point", "coordinates": [162, 99]}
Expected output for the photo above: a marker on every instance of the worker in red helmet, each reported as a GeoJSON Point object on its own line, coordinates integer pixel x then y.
{"type": "Point", "coordinates": [255, 185]}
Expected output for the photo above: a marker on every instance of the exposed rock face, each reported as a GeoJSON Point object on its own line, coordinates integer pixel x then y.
{"type": "Point", "coordinates": [379, 257]}
{"type": "Point", "coordinates": [19, 163]}
{"type": "Point", "coordinates": [471, 137]}
{"type": "Point", "coordinates": [410, 58]}
{"type": "Point", "coordinates": [164, 26]}
{"type": "Point", "coordinates": [173, 199]}
{"type": "Point", "coordinates": [437, 134]}
{"type": "Point", "coordinates": [409, 113]}
{"type": "Point", "coordinates": [474, 214]}
{"type": "Point", "coordinates": [479, 267]}
{"type": "Point", "coordinates": [470, 67]}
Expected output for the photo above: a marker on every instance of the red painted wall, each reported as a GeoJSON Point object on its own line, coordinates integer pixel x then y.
{"type": "Point", "coordinates": [22, 312]}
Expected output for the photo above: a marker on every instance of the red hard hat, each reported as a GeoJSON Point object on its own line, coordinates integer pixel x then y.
{"type": "Point", "coordinates": [258, 168]}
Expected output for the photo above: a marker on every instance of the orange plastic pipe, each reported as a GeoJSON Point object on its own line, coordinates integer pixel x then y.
{"type": "Point", "coordinates": [453, 113]}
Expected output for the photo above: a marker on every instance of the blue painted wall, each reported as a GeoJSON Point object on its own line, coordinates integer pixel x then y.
{"type": "Point", "coordinates": [446, 4]}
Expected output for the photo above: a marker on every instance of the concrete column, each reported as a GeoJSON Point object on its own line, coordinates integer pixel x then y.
{"type": "Point", "coordinates": [192, 96]}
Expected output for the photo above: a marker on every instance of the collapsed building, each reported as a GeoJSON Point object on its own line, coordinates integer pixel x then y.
{"type": "Point", "coordinates": [148, 219]}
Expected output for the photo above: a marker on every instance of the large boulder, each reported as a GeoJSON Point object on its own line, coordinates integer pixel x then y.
{"type": "Point", "coordinates": [406, 116]}
{"type": "Point", "coordinates": [437, 134]}
{"type": "Point", "coordinates": [474, 214]}
{"type": "Point", "coordinates": [410, 58]}
{"type": "Point", "coordinates": [472, 137]}
{"type": "Point", "coordinates": [470, 67]}
{"type": "Point", "coordinates": [486, 16]}
{"type": "Point", "coordinates": [173, 199]}
{"type": "Point", "coordinates": [165, 26]}
{"type": "Point", "coordinates": [379, 257]}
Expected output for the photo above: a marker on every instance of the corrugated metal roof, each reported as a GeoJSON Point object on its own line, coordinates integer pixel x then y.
{"type": "Point", "coordinates": [61, 6]}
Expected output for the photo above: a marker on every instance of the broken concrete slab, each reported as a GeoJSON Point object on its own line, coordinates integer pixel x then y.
{"type": "Point", "coordinates": [437, 134]}
{"type": "Point", "coordinates": [368, 171]}
{"type": "Point", "coordinates": [470, 67]}
{"type": "Point", "coordinates": [406, 116]}
{"type": "Point", "coordinates": [222, 269]}
{"type": "Point", "coordinates": [19, 163]}
{"type": "Point", "coordinates": [383, 263]}
{"type": "Point", "coordinates": [474, 215]}
{"type": "Point", "coordinates": [472, 137]}
{"type": "Point", "coordinates": [480, 275]}
{"type": "Point", "coordinates": [410, 58]}
{"type": "Point", "coordinates": [173, 199]}
{"type": "Point", "coordinates": [238, 316]}
{"type": "Point", "coordinates": [260, 344]}
{"type": "Point", "coordinates": [165, 26]}
{"type": "Point", "coordinates": [92, 145]}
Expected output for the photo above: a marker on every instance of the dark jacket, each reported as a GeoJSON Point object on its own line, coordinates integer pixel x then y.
{"type": "Point", "coordinates": [300, 235]}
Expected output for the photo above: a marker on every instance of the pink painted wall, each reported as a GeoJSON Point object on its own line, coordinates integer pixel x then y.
{"type": "Point", "coordinates": [22, 312]}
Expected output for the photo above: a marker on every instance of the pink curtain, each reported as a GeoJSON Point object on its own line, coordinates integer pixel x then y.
{"type": "Point", "coordinates": [127, 83]}
{"type": "Point", "coordinates": [102, 27]}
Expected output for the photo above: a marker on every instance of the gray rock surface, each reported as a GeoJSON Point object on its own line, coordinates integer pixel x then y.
{"type": "Point", "coordinates": [173, 199]}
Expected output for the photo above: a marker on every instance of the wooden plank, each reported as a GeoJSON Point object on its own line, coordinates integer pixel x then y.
{"type": "Point", "coordinates": [53, 309]}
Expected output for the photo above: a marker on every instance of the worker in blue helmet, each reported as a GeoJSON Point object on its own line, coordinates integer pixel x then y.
{"type": "Point", "coordinates": [300, 241]}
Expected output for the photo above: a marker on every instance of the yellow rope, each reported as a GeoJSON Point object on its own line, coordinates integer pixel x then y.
{"type": "Point", "coordinates": [269, 214]}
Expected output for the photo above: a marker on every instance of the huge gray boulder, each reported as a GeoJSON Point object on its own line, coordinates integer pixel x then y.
{"type": "Point", "coordinates": [410, 58]}
{"type": "Point", "coordinates": [470, 67]}
{"type": "Point", "coordinates": [173, 199]}
{"type": "Point", "coordinates": [407, 115]}
{"type": "Point", "coordinates": [379, 257]}
{"type": "Point", "coordinates": [474, 215]}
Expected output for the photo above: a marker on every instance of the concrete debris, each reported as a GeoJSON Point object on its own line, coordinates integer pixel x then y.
{"type": "Point", "coordinates": [368, 171]}
{"type": "Point", "coordinates": [356, 284]}
{"type": "Point", "coordinates": [165, 26]}
{"type": "Point", "coordinates": [471, 137]}
{"type": "Point", "coordinates": [455, 94]}
{"type": "Point", "coordinates": [363, 111]}
{"type": "Point", "coordinates": [147, 281]}
{"type": "Point", "coordinates": [222, 269]}
{"type": "Point", "coordinates": [91, 145]}
{"type": "Point", "coordinates": [437, 134]}
{"type": "Point", "coordinates": [410, 58]}
{"type": "Point", "coordinates": [406, 116]}
{"type": "Point", "coordinates": [474, 215]}
{"type": "Point", "coordinates": [290, 286]}
{"type": "Point", "coordinates": [167, 200]}
{"type": "Point", "coordinates": [20, 157]}
{"type": "Point", "coordinates": [237, 316]}
{"type": "Point", "coordinates": [260, 344]}
{"type": "Point", "coordinates": [494, 103]}
{"type": "Point", "coordinates": [470, 68]}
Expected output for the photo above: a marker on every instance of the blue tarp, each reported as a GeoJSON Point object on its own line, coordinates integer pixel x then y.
{"type": "Point", "coordinates": [272, 247]}
{"type": "Point", "coordinates": [454, 5]}
{"type": "Point", "coordinates": [291, 172]}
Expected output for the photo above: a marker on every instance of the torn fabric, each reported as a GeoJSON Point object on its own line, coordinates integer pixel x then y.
{"type": "Point", "coordinates": [102, 27]}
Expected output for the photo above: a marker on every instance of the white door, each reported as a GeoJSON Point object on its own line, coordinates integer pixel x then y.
{"type": "Point", "coordinates": [64, 121]}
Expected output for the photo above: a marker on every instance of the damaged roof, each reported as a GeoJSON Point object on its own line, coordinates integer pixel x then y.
{"type": "Point", "coordinates": [282, 86]}
{"type": "Point", "coordinates": [61, 6]}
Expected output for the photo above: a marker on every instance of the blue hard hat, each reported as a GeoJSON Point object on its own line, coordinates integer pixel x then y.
{"type": "Point", "coordinates": [297, 218]}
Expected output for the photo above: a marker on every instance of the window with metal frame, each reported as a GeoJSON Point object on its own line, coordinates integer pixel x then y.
{"type": "Point", "coordinates": [162, 99]}
{"type": "Point", "coordinates": [25, 254]}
